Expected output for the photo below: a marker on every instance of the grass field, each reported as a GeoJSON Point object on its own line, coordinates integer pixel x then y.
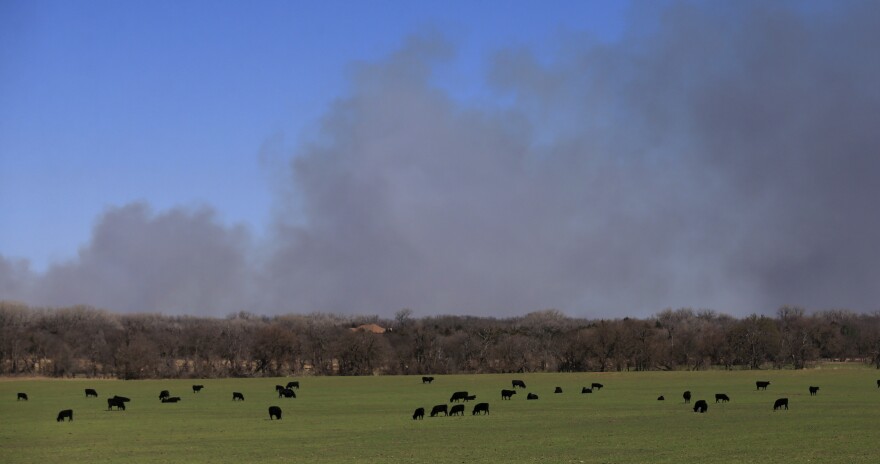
{"type": "Point", "coordinates": [368, 419]}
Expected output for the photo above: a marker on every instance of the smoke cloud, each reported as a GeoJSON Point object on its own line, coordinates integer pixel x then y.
{"type": "Point", "coordinates": [722, 157]}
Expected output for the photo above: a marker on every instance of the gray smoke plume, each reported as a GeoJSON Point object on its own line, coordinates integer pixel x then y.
{"type": "Point", "coordinates": [724, 157]}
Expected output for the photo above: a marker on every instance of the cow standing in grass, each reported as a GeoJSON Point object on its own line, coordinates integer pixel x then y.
{"type": "Point", "coordinates": [119, 404]}
{"type": "Point", "coordinates": [237, 396]}
{"type": "Point", "coordinates": [781, 403]}
{"type": "Point", "coordinates": [164, 394]}
{"type": "Point", "coordinates": [458, 396]}
{"type": "Point", "coordinates": [22, 396]}
{"type": "Point", "coordinates": [293, 384]}
{"type": "Point", "coordinates": [814, 390]}
{"type": "Point", "coordinates": [438, 409]}
{"type": "Point", "coordinates": [506, 394]}
{"type": "Point", "coordinates": [457, 410]}
{"type": "Point", "coordinates": [761, 385]}
{"type": "Point", "coordinates": [722, 398]}
{"type": "Point", "coordinates": [197, 388]}
{"type": "Point", "coordinates": [518, 383]}
{"type": "Point", "coordinates": [481, 408]}
{"type": "Point", "coordinates": [700, 406]}
{"type": "Point", "coordinates": [597, 386]}
{"type": "Point", "coordinates": [65, 414]}
{"type": "Point", "coordinates": [427, 379]}
{"type": "Point", "coordinates": [91, 392]}
{"type": "Point", "coordinates": [419, 414]}
{"type": "Point", "coordinates": [687, 397]}
{"type": "Point", "coordinates": [274, 412]}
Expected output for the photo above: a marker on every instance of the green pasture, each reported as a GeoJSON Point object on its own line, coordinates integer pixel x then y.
{"type": "Point", "coordinates": [368, 419]}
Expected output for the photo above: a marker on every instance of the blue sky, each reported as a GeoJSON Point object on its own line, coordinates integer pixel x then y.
{"type": "Point", "coordinates": [106, 102]}
{"type": "Point", "coordinates": [606, 159]}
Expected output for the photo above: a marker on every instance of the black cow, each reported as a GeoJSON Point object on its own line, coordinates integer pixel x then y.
{"type": "Point", "coordinates": [700, 406]}
{"type": "Point", "coordinates": [558, 390]}
{"type": "Point", "coordinates": [274, 412]}
{"type": "Point", "coordinates": [597, 386]}
{"type": "Point", "coordinates": [813, 391]}
{"type": "Point", "coordinates": [287, 393]}
{"type": "Point", "coordinates": [197, 388]}
{"type": "Point", "coordinates": [781, 402]}
{"type": "Point", "coordinates": [68, 413]}
{"type": "Point", "coordinates": [687, 397]}
{"type": "Point", "coordinates": [21, 396]}
{"type": "Point", "coordinates": [761, 385]}
{"type": "Point", "coordinates": [164, 394]}
{"type": "Point", "coordinates": [171, 399]}
{"type": "Point", "coordinates": [91, 392]}
{"type": "Point", "coordinates": [586, 390]}
{"type": "Point", "coordinates": [458, 396]}
{"type": "Point", "coordinates": [237, 396]}
{"type": "Point", "coordinates": [427, 379]}
{"type": "Point", "coordinates": [419, 414]}
{"type": "Point", "coordinates": [457, 410]}
{"type": "Point", "coordinates": [506, 394]}
{"type": "Point", "coordinates": [721, 397]}
{"type": "Point", "coordinates": [293, 384]}
{"type": "Point", "coordinates": [518, 383]}
{"type": "Point", "coordinates": [470, 397]}
{"type": "Point", "coordinates": [660, 398]}
{"type": "Point", "coordinates": [278, 388]}
{"type": "Point", "coordinates": [121, 398]}
{"type": "Point", "coordinates": [481, 407]}
{"type": "Point", "coordinates": [111, 402]}
{"type": "Point", "coordinates": [438, 409]}
{"type": "Point", "coordinates": [531, 396]}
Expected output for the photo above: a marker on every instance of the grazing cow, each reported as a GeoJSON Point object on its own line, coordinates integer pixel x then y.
{"type": "Point", "coordinates": [274, 412]}
{"type": "Point", "coordinates": [22, 396]}
{"type": "Point", "coordinates": [721, 397]}
{"type": "Point", "coordinates": [419, 414]}
{"type": "Point", "coordinates": [164, 394]}
{"type": "Point", "coordinates": [278, 388]}
{"type": "Point", "coordinates": [781, 402]}
{"type": "Point", "coordinates": [171, 399]}
{"type": "Point", "coordinates": [287, 393]}
{"type": "Point", "coordinates": [470, 397]}
{"type": "Point", "coordinates": [660, 398]}
{"type": "Point", "coordinates": [68, 413]}
{"type": "Point", "coordinates": [458, 396]}
{"type": "Point", "coordinates": [597, 386]}
{"type": "Point", "coordinates": [481, 408]}
{"type": "Point", "coordinates": [121, 398]}
{"type": "Point", "coordinates": [91, 392]}
{"type": "Point", "coordinates": [293, 384]}
{"type": "Point", "coordinates": [120, 405]}
{"type": "Point", "coordinates": [813, 391]}
{"type": "Point", "coordinates": [687, 397]}
{"type": "Point", "coordinates": [438, 409]}
{"type": "Point", "coordinates": [761, 385]}
{"type": "Point", "coordinates": [518, 383]}
{"type": "Point", "coordinates": [237, 396]}
{"type": "Point", "coordinates": [197, 388]}
{"type": "Point", "coordinates": [427, 379]}
{"type": "Point", "coordinates": [506, 394]}
{"type": "Point", "coordinates": [700, 406]}
{"type": "Point", "coordinates": [457, 410]}
{"type": "Point", "coordinates": [586, 390]}
{"type": "Point", "coordinates": [531, 396]}
{"type": "Point", "coordinates": [558, 390]}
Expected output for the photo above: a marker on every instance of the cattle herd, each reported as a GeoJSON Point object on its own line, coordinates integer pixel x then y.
{"type": "Point", "coordinates": [119, 402]}
{"type": "Point", "coordinates": [700, 406]}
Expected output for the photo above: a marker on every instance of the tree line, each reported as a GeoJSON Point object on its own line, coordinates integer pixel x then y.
{"type": "Point", "coordinates": [84, 341]}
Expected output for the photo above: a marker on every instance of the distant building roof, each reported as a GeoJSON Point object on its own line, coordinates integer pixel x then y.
{"type": "Point", "coordinates": [369, 328]}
